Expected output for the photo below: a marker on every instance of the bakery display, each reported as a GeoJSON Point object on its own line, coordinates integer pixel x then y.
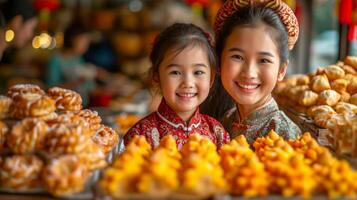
{"type": "Point", "coordinates": [47, 141]}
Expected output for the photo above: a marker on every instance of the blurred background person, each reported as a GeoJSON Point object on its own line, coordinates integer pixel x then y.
{"type": "Point", "coordinates": [67, 67]}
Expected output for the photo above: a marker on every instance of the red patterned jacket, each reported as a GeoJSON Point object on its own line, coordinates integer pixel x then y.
{"type": "Point", "coordinates": [165, 121]}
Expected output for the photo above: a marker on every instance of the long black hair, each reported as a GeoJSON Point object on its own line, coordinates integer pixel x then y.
{"type": "Point", "coordinates": [219, 101]}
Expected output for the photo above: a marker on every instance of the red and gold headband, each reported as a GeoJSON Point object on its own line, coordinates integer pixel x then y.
{"type": "Point", "coordinates": [285, 13]}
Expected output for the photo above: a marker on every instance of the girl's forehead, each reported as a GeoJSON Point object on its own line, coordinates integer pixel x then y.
{"type": "Point", "coordinates": [251, 37]}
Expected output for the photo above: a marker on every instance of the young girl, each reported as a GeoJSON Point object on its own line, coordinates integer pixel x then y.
{"type": "Point", "coordinates": [183, 69]}
{"type": "Point", "coordinates": [253, 41]}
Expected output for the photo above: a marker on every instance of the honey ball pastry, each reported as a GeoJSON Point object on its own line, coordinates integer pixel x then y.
{"type": "Point", "coordinates": [93, 157]}
{"type": "Point", "coordinates": [353, 99]}
{"type": "Point", "coordinates": [67, 139]}
{"type": "Point", "coordinates": [21, 172]}
{"type": "Point", "coordinates": [27, 136]}
{"type": "Point", "coordinates": [5, 103]}
{"type": "Point", "coordinates": [31, 105]}
{"type": "Point", "coordinates": [345, 97]}
{"type": "Point", "coordinates": [106, 138]}
{"type": "Point", "coordinates": [317, 110]}
{"type": "Point", "coordinates": [342, 107]}
{"type": "Point", "coordinates": [308, 98]}
{"type": "Point", "coordinates": [339, 85]}
{"type": "Point", "coordinates": [302, 79]}
{"type": "Point", "coordinates": [91, 117]}
{"type": "Point", "coordinates": [320, 83]}
{"type": "Point", "coordinates": [352, 87]}
{"type": "Point", "coordinates": [349, 70]}
{"type": "Point", "coordinates": [352, 61]}
{"type": "Point", "coordinates": [3, 134]}
{"type": "Point", "coordinates": [24, 89]}
{"type": "Point", "coordinates": [334, 72]}
{"type": "Point", "coordinates": [66, 99]}
{"type": "Point", "coordinates": [328, 97]}
{"type": "Point", "coordinates": [65, 175]}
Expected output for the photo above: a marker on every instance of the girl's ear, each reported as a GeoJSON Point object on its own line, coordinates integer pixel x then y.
{"type": "Point", "coordinates": [155, 80]}
{"type": "Point", "coordinates": [282, 71]}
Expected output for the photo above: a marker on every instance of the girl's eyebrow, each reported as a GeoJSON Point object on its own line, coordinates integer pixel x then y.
{"type": "Point", "coordinates": [196, 65]}
{"type": "Point", "coordinates": [236, 49]}
{"type": "Point", "coordinates": [264, 53]}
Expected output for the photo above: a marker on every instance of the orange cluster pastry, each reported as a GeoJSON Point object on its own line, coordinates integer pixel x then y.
{"type": "Point", "coordinates": [53, 125]}
{"type": "Point", "coordinates": [297, 167]}
{"type": "Point", "coordinates": [329, 97]}
{"type": "Point", "coordinates": [243, 171]}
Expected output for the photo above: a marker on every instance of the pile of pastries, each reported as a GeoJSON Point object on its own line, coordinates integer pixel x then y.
{"type": "Point", "coordinates": [164, 170]}
{"type": "Point", "coordinates": [329, 97]}
{"type": "Point", "coordinates": [297, 167]}
{"type": "Point", "coordinates": [48, 141]}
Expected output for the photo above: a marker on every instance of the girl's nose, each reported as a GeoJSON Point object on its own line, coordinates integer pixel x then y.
{"type": "Point", "coordinates": [188, 80]}
{"type": "Point", "coordinates": [249, 70]}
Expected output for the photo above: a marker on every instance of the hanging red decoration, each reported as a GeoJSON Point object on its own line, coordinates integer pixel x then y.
{"type": "Point", "coordinates": [352, 33]}
{"type": "Point", "coordinates": [198, 2]}
{"type": "Point", "coordinates": [50, 5]}
{"type": "Point", "coordinates": [345, 11]}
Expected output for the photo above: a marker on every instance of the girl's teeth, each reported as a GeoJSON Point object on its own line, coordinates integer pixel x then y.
{"type": "Point", "coordinates": [249, 86]}
{"type": "Point", "coordinates": [187, 95]}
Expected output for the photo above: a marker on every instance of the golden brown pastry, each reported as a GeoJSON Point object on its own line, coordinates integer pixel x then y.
{"type": "Point", "coordinates": [303, 79]}
{"type": "Point", "coordinates": [106, 138]}
{"type": "Point", "coordinates": [5, 103]}
{"type": "Point", "coordinates": [21, 172]}
{"type": "Point", "coordinates": [91, 117]}
{"type": "Point", "coordinates": [339, 85]}
{"type": "Point", "coordinates": [345, 97]}
{"type": "Point", "coordinates": [320, 71]}
{"type": "Point", "coordinates": [93, 157]}
{"type": "Point", "coordinates": [307, 98]}
{"type": "Point", "coordinates": [353, 99]}
{"type": "Point", "coordinates": [349, 70]}
{"type": "Point", "coordinates": [350, 77]}
{"type": "Point", "coordinates": [3, 133]}
{"type": "Point", "coordinates": [328, 97]}
{"type": "Point", "coordinates": [31, 105]}
{"type": "Point", "coordinates": [24, 89]}
{"type": "Point", "coordinates": [322, 119]}
{"type": "Point", "coordinates": [294, 92]}
{"type": "Point", "coordinates": [334, 72]}
{"type": "Point", "coordinates": [68, 118]}
{"type": "Point", "coordinates": [67, 139]}
{"type": "Point", "coordinates": [352, 61]}
{"type": "Point", "coordinates": [66, 99]}
{"type": "Point", "coordinates": [352, 87]}
{"type": "Point", "coordinates": [27, 136]}
{"type": "Point", "coordinates": [335, 121]}
{"type": "Point", "coordinates": [65, 175]}
{"type": "Point", "coordinates": [317, 110]}
{"type": "Point", "coordinates": [342, 107]}
{"type": "Point", "coordinates": [320, 83]}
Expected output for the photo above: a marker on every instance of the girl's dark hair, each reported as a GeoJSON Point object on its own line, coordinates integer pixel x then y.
{"type": "Point", "coordinates": [177, 37]}
{"type": "Point", "coordinates": [219, 101]}
{"type": "Point", "coordinates": [74, 30]}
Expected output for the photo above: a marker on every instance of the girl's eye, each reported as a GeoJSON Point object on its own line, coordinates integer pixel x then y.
{"type": "Point", "coordinates": [175, 73]}
{"type": "Point", "coordinates": [238, 57]}
{"type": "Point", "coordinates": [199, 72]}
{"type": "Point", "coordinates": [264, 60]}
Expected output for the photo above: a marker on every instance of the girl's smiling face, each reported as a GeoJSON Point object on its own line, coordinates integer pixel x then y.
{"type": "Point", "coordinates": [250, 65]}
{"type": "Point", "coordinates": [184, 79]}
